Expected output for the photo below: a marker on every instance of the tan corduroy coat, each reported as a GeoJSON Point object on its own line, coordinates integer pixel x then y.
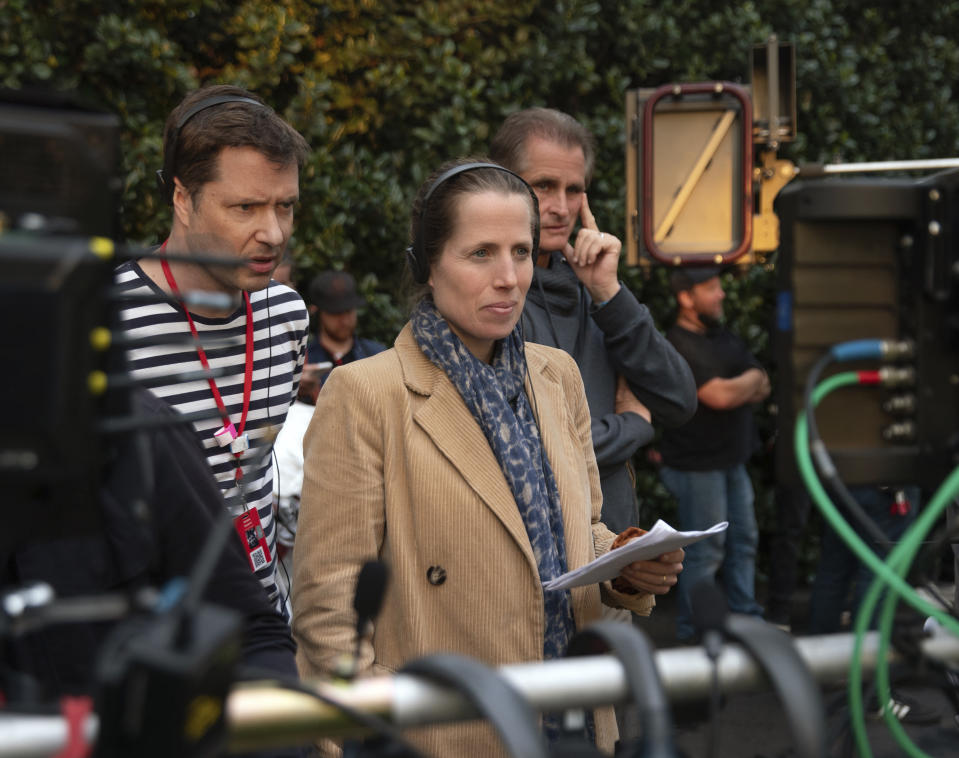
{"type": "Point", "coordinates": [396, 467]}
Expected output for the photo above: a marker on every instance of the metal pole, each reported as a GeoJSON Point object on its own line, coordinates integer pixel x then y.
{"type": "Point", "coordinates": [819, 169]}
{"type": "Point", "coordinates": [262, 715]}
{"type": "Point", "coordinates": [570, 683]}
{"type": "Point", "coordinates": [26, 736]}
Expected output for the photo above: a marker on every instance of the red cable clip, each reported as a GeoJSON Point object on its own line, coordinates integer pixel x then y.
{"type": "Point", "coordinates": [900, 504]}
{"type": "Point", "coordinates": [76, 710]}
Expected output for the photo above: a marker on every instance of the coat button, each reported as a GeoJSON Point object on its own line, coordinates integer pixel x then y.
{"type": "Point", "coordinates": [436, 575]}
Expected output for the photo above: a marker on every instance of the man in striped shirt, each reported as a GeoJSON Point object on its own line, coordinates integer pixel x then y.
{"type": "Point", "coordinates": [231, 173]}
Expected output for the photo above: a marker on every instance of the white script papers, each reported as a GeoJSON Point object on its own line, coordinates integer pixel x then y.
{"type": "Point", "coordinates": [662, 538]}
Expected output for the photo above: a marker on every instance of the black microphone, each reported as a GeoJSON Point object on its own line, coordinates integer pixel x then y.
{"type": "Point", "coordinates": [370, 590]}
{"type": "Point", "coordinates": [710, 610]}
{"type": "Point", "coordinates": [367, 601]}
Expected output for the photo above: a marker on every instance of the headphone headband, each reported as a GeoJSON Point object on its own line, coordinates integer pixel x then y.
{"type": "Point", "coordinates": [416, 256]}
{"type": "Point", "coordinates": [165, 175]}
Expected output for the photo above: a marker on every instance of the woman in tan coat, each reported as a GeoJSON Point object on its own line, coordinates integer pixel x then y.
{"type": "Point", "coordinates": [463, 459]}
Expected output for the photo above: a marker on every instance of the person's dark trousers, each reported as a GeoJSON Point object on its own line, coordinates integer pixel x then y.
{"type": "Point", "coordinates": [705, 498]}
{"type": "Point", "coordinates": [840, 571]}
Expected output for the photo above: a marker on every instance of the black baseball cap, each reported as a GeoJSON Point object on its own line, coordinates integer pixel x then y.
{"type": "Point", "coordinates": [335, 292]}
{"type": "Point", "coordinates": [682, 279]}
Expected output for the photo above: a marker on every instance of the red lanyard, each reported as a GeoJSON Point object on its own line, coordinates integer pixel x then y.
{"type": "Point", "coordinates": [248, 370]}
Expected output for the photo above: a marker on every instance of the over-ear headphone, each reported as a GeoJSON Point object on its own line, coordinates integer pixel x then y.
{"type": "Point", "coordinates": [416, 256]}
{"type": "Point", "coordinates": [164, 175]}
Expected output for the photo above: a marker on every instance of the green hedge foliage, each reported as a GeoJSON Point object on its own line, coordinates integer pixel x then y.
{"type": "Point", "coordinates": [385, 90]}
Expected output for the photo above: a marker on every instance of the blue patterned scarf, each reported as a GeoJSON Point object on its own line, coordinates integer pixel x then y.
{"type": "Point", "coordinates": [494, 394]}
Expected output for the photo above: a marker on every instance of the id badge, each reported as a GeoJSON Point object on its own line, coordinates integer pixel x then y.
{"type": "Point", "coordinates": [253, 538]}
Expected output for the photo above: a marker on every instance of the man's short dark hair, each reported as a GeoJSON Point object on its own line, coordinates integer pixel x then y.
{"type": "Point", "coordinates": [509, 143]}
{"type": "Point", "coordinates": [232, 124]}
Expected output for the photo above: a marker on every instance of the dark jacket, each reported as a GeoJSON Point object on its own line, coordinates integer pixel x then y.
{"type": "Point", "coordinates": [619, 338]}
{"type": "Point", "coordinates": [164, 468]}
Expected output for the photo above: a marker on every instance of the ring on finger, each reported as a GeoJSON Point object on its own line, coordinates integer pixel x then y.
{"type": "Point", "coordinates": [664, 578]}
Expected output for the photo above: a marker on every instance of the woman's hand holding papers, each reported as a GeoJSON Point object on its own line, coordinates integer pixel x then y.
{"type": "Point", "coordinates": [656, 576]}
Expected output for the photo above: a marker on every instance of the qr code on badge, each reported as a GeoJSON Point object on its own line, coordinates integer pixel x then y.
{"type": "Point", "coordinates": [258, 557]}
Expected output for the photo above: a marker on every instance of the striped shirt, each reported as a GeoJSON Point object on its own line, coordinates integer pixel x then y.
{"type": "Point", "coordinates": [280, 330]}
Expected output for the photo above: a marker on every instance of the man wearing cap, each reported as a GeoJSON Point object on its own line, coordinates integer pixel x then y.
{"type": "Point", "coordinates": [333, 297]}
{"type": "Point", "coordinates": [704, 459]}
